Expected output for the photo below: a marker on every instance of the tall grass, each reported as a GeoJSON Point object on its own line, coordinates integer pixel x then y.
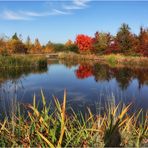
{"type": "Point", "coordinates": [22, 61]}
{"type": "Point", "coordinates": [53, 127]}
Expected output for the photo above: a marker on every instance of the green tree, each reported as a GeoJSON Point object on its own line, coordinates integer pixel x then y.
{"type": "Point", "coordinates": [15, 37]}
{"type": "Point", "coordinates": [28, 44]}
{"type": "Point", "coordinates": [125, 38]}
{"type": "Point", "coordinates": [101, 41]}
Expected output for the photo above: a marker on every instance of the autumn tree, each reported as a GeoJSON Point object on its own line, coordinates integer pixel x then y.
{"type": "Point", "coordinates": [113, 47]}
{"type": "Point", "coordinates": [71, 46]}
{"type": "Point", "coordinates": [143, 42]}
{"type": "Point", "coordinates": [3, 49]}
{"type": "Point", "coordinates": [101, 41]}
{"type": "Point", "coordinates": [15, 45]}
{"type": "Point", "coordinates": [28, 44]}
{"type": "Point", "coordinates": [37, 48]}
{"type": "Point", "coordinates": [84, 43]}
{"type": "Point", "coordinates": [49, 47]}
{"type": "Point", "coordinates": [125, 38]}
{"type": "Point", "coordinates": [69, 43]}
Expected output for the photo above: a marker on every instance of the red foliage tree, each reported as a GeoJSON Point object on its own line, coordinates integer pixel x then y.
{"type": "Point", "coordinates": [113, 47]}
{"type": "Point", "coordinates": [84, 42]}
{"type": "Point", "coordinates": [143, 42]}
{"type": "Point", "coordinates": [84, 71]}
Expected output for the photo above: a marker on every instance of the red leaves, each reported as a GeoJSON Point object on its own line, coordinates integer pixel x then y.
{"type": "Point", "coordinates": [84, 71]}
{"type": "Point", "coordinates": [113, 48]}
{"type": "Point", "coordinates": [84, 42]}
{"type": "Point", "coordinates": [143, 42]}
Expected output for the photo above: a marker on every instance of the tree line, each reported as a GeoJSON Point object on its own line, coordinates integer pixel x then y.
{"type": "Point", "coordinates": [124, 42]}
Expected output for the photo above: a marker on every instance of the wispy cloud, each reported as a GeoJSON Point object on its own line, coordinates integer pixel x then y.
{"type": "Point", "coordinates": [11, 15]}
{"type": "Point", "coordinates": [64, 8]}
{"type": "Point", "coordinates": [80, 2]}
{"type": "Point", "coordinates": [28, 15]}
{"type": "Point", "coordinates": [77, 4]}
{"type": "Point", "coordinates": [59, 12]}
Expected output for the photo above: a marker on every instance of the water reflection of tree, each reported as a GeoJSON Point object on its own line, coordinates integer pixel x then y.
{"type": "Point", "coordinates": [84, 71]}
{"type": "Point", "coordinates": [101, 73]}
{"type": "Point", "coordinates": [124, 75]}
{"type": "Point", "coordinates": [10, 86]}
{"type": "Point", "coordinates": [15, 73]}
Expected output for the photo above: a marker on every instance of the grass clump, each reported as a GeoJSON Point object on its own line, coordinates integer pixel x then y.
{"type": "Point", "coordinates": [53, 127]}
{"type": "Point", "coordinates": [112, 59]}
{"type": "Point", "coordinates": [22, 61]}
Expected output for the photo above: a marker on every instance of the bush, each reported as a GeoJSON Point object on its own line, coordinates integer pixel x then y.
{"type": "Point", "coordinates": [72, 48]}
{"type": "Point", "coordinates": [4, 52]}
{"type": "Point", "coordinates": [112, 59]}
{"type": "Point", "coordinates": [58, 47]}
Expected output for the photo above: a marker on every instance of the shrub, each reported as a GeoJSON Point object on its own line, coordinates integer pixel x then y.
{"type": "Point", "coordinates": [72, 47]}
{"type": "Point", "coordinates": [58, 47]}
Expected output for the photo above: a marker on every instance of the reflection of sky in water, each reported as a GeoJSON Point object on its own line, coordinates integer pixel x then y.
{"type": "Point", "coordinates": [80, 92]}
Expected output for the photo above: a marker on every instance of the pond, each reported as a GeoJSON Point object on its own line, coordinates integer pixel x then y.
{"type": "Point", "coordinates": [88, 84]}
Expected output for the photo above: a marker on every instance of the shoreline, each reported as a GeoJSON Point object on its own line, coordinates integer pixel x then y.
{"type": "Point", "coordinates": [37, 59]}
{"type": "Point", "coordinates": [111, 59]}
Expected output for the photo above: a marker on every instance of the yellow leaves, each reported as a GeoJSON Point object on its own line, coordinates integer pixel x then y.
{"type": "Point", "coordinates": [62, 121]}
{"type": "Point", "coordinates": [124, 111]}
{"type": "Point", "coordinates": [3, 126]}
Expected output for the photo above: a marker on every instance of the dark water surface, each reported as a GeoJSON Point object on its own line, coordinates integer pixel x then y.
{"type": "Point", "coordinates": [87, 84]}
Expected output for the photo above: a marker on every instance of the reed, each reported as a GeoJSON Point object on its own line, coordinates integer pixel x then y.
{"type": "Point", "coordinates": [53, 127]}
{"type": "Point", "coordinates": [18, 61]}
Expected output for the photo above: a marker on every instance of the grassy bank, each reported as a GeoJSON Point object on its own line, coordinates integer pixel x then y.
{"type": "Point", "coordinates": [53, 127]}
{"type": "Point", "coordinates": [107, 59]}
{"type": "Point", "coordinates": [18, 61]}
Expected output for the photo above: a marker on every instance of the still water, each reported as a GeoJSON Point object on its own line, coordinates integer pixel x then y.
{"type": "Point", "coordinates": [87, 84]}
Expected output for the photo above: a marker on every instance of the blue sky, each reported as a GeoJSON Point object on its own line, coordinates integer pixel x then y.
{"type": "Point", "coordinates": [59, 21]}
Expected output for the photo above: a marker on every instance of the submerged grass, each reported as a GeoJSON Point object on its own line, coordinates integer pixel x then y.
{"type": "Point", "coordinates": [55, 128]}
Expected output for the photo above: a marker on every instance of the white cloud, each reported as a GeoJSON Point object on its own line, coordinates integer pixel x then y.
{"type": "Point", "coordinates": [76, 4]}
{"type": "Point", "coordinates": [63, 8]}
{"type": "Point", "coordinates": [28, 15]}
{"type": "Point", "coordinates": [11, 15]}
{"type": "Point", "coordinates": [80, 2]}
{"type": "Point", "coordinates": [33, 14]}
{"type": "Point", "coordinates": [59, 12]}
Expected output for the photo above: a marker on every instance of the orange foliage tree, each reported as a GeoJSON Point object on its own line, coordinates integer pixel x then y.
{"type": "Point", "coordinates": [2, 45]}
{"type": "Point", "coordinates": [84, 42]}
{"type": "Point", "coordinates": [37, 48]}
{"type": "Point", "coordinates": [69, 43]}
{"type": "Point", "coordinates": [49, 47]}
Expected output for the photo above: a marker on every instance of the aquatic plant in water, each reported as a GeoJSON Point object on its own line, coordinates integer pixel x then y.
{"type": "Point", "coordinates": [53, 127]}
